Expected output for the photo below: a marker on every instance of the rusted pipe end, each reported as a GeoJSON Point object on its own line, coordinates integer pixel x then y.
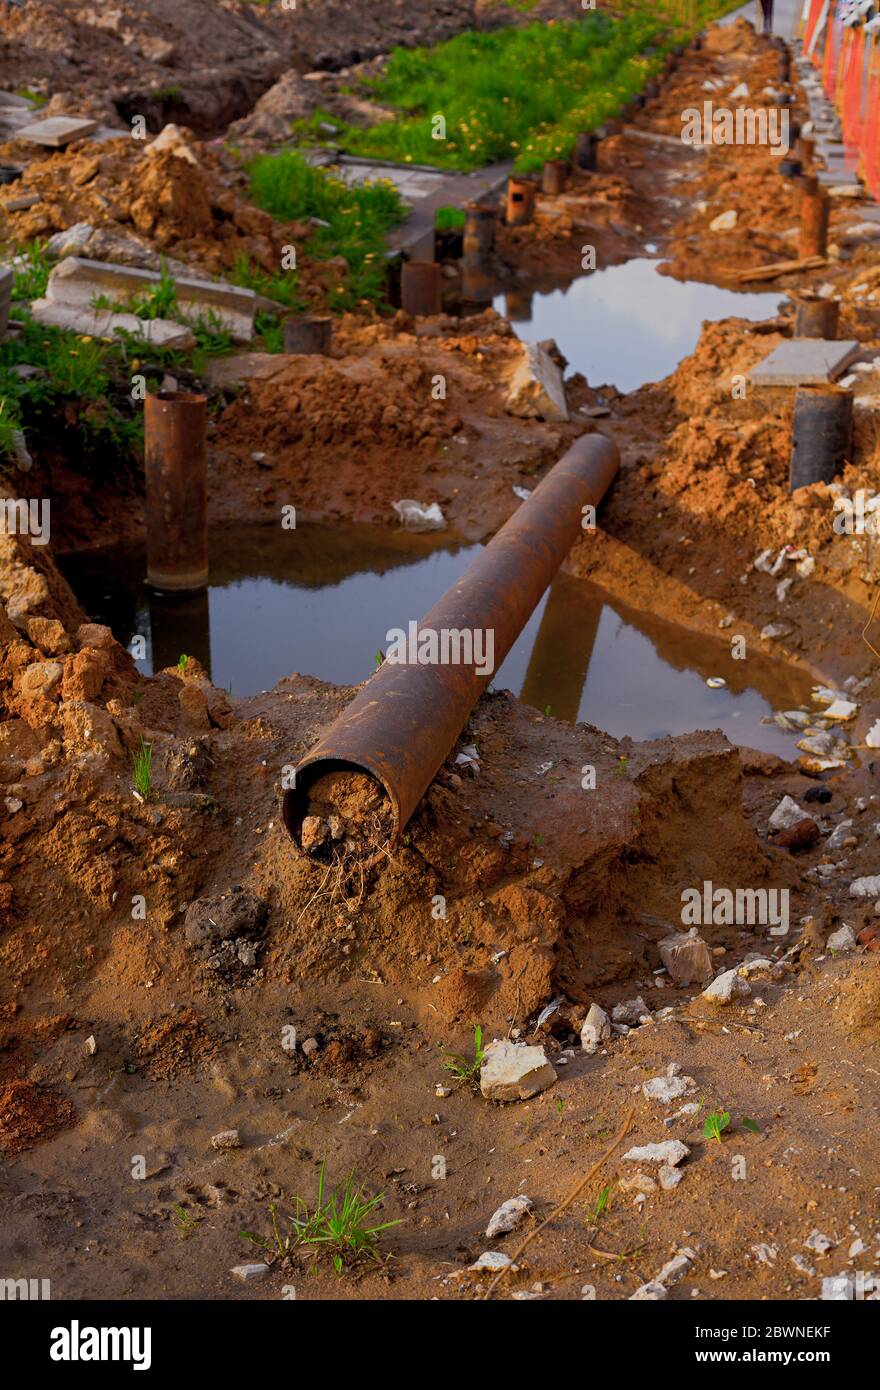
{"type": "Point", "coordinates": [384, 750]}
{"type": "Point", "coordinates": [296, 801]}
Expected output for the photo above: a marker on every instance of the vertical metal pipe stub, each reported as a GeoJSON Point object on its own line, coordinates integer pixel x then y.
{"type": "Point", "coordinates": [821, 435]}
{"type": "Point", "coordinates": [813, 239]}
{"type": "Point", "coordinates": [176, 473]}
{"type": "Point", "coordinates": [311, 336]}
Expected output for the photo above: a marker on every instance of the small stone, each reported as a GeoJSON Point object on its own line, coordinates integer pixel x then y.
{"type": "Point", "coordinates": [726, 987]}
{"type": "Point", "coordinates": [651, 1292]}
{"type": "Point", "coordinates": [631, 1011]}
{"type": "Point", "coordinates": [596, 1029]}
{"type": "Point", "coordinates": [670, 1151]}
{"type": "Point", "coordinates": [90, 1046]}
{"type": "Point", "coordinates": [868, 887]}
{"type": "Point", "coordinates": [819, 1243]}
{"type": "Point", "coordinates": [509, 1217]}
{"type": "Point", "coordinates": [669, 1177]}
{"type": "Point", "coordinates": [311, 1047]}
{"type": "Point", "coordinates": [844, 939]}
{"type": "Point", "coordinates": [313, 833]}
{"type": "Point", "coordinates": [12, 804]}
{"type": "Point", "coordinates": [666, 1089]}
{"type": "Point", "coordinates": [640, 1182]}
{"type": "Point", "coordinates": [786, 815]}
{"type": "Point", "coordinates": [226, 1139]}
{"type": "Point", "coordinates": [492, 1260]}
{"type": "Point", "coordinates": [514, 1071]}
{"type": "Point", "coordinates": [839, 835]}
{"type": "Point", "coordinates": [686, 957]}
{"type": "Point", "coordinates": [41, 679]}
{"type": "Point", "coordinates": [246, 1272]}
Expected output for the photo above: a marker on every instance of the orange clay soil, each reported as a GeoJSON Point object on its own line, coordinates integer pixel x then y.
{"type": "Point", "coordinates": [199, 950]}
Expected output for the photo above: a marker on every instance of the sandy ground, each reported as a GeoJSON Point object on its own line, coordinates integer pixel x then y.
{"type": "Point", "coordinates": [187, 938]}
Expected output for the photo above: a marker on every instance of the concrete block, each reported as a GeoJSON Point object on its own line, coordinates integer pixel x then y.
{"type": "Point", "coordinates": [77, 281]}
{"type": "Point", "coordinates": [805, 362]}
{"type": "Point", "coordinates": [58, 131]}
{"type": "Point", "coordinates": [104, 323]}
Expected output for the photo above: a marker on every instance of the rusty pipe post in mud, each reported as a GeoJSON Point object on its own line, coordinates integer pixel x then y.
{"type": "Point", "coordinates": [308, 336]}
{"type": "Point", "coordinates": [554, 176]}
{"type": "Point", "coordinates": [176, 471]}
{"type": "Point", "coordinates": [520, 201]}
{"type": "Point", "coordinates": [821, 434]}
{"type": "Point", "coordinates": [403, 723]}
{"type": "Point", "coordinates": [476, 263]}
{"type": "Point", "coordinates": [816, 317]}
{"type": "Point", "coordinates": [421, 288]}
{"type": "Point", "coordinates": [814, 224]}
{"type": "Point", "coordinates": [586, 146]}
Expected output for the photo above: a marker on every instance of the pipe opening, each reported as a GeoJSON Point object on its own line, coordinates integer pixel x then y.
{"type": "Point", "coordinates": [340, 813]}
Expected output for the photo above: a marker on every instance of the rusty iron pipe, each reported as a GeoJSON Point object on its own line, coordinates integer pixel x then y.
{"type": "Point", "coordinates": [176, 471]}
{"type": "Point", "coordinates": [400, 727]}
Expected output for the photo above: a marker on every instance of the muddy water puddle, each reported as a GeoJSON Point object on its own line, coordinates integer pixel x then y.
{"type": "Point", "coordinates": [321, 600]}
{"type": "Point", "coordinates": [627, 325]}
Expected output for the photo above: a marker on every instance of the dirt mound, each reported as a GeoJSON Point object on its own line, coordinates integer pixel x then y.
{"type": "Point", "coordinates": [189, 202]}
{"type": "Point", "coordinates": [30, 1113]}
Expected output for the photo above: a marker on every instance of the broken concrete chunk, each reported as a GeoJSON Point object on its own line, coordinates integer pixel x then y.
{"type": "Point", "coordinates": [805, 362]}
{"type": "Point", "coordinates": [596, 1030]}
{"type": "Point", "coordinates": [57, 131]}
{"type": "Point", "coordinates": [509, 1217]}
{"type": "Point", "coordinates": [819, 1243]}
{"type": "Point", "coordinates": [103, 323]}
{"type": "Point", "coordinates": [515, 1071]}
{"type": "Point", "coordinates": [669, 1177]}
{"type": "Point", "coordinates": [247, 1272]}
{"type": "Point", "coordinates": [670, 1151]}
{"type": "Point", "coordinates": [726, 987]}
{"type": "Point", "coordinates": [867, 887]}
{"type": "Point", "coordinates": [786, 815]}
{"type": "Point", "coordinates": [651, 1292]}
{"type": "Point", "coordinates": [687, 957]}
{"type": "Point", "coordinates": [492, 1260]}
{"type": "Point", "coordinates": [536, 387]}
{"type": "Point", "coordinates": [76, 282]}
{"type": "Point", "coordinates": [844, 939]}
{"type": "Point", "coordinates": [631, 1011]}
{"type": "Point", "coordinates": [668, 1088]}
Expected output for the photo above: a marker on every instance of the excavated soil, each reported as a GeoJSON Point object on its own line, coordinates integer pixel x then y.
{"type": "Point", "coordinates": [173, 968]}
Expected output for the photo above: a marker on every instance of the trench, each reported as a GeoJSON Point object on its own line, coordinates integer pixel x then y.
{"type": "Point", "coordinates": [322, 600]}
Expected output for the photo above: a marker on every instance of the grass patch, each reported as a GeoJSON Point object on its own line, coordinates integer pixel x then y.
{"type": "Point", "coordinates": [450, 219]}
{"type": "Point", "coordinates": [352, 223]}
{"type": "Point", "coordinates": [520, 92]}
{"type": "Point", "coordinates": [340, 1225]}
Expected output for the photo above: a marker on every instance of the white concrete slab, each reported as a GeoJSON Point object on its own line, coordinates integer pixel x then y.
{"type": "Point", "coordinates": [805, 362]}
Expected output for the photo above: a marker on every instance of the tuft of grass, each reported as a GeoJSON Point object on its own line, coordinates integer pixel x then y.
{"type": "Point", "coordinates": [340, 1225]}
{"type": "Point", "coordinates": [450, 219]}
{"type": "Point", "coordinates": [357, 220]}
{"type": "Point", "coordinates": [142, 763]}
{"type": "Point", "coordinates": [467, 1068]}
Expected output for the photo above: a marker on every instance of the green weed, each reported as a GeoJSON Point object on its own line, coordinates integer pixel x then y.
{"type": "Point", "coordinates": [340, 1225]}
{"type": "Point", "coordinates": [142, 762]}
{"type": "Point", "coordinates": [467, 1068]}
